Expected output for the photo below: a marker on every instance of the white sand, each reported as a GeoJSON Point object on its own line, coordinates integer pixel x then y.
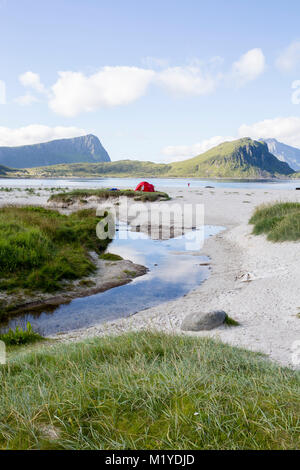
{"type": "Point", "coordinates": [266, 307]}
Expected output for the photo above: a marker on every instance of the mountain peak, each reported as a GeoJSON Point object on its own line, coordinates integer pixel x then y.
{"type": "Point", "coordinates": [82, 149]}
{"type": "Point", "coordinates": [235, 159]}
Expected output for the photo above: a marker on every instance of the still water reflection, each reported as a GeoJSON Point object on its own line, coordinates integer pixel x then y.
{"type": "Point", "coordinates": [173, 272]}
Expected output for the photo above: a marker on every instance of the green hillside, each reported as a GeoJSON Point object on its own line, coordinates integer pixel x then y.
{"type": "Point", "coordinates": [243, 158]}
{"type": "Point", "coordinates": [122, 168]}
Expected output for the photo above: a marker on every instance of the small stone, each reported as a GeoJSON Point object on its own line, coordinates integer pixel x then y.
{"type": "Point", "coordinates": [198, 321]}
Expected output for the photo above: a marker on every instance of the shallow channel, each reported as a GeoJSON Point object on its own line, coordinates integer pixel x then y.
{"type": "Point", "coordinates": [174, 270]}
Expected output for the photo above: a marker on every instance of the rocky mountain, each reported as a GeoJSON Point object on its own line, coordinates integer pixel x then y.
{"type": "Point", "coordinates": [242, 158]}
{"type": "Point", "coordinates": [79, 149]}
{"type": "Point", "coordinates": [284, 153]}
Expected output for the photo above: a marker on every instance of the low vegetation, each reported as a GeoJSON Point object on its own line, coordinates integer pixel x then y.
{"type": "Point", "coordinates": [40, 249]}
{"type": "Point", "coordinates": [20, 336]}
{"type": "Point", "coordinates": [5, 171]}
{"type": "Point", "coordinates": [147, 391]}
{"type": "Point", "coordinates": [82, 194]}
{"type": "Point", "coordinates": [230, 321]}
{"type": "Point", "coordinates": [110, 257]}
{"type": "Point", "coordinates": [281, 221]}
{"type": "Point", "coordinates": [122, 168]}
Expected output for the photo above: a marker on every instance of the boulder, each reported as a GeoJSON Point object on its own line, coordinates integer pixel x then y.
{"type": "Point", "coordinates": [198, 321]}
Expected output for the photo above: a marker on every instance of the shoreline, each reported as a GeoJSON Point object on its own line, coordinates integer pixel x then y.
{"type": "Point", "coordinates": [109, 274]}
{"type": "Point", "coordinates": [193, 178]}
{"type": "Point", "coordinates": [266, 307]}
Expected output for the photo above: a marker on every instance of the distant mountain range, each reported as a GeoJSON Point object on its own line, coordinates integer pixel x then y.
{"type": "Point", "coordinates": [242, 158]}
{"type": "Point", "coordinates": [79, 149]}
{"type": "Point", "coordinates": [284, 153]}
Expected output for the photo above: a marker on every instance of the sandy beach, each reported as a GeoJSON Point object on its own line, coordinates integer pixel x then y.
{"type": "Point", "coordinates": [266, 306]}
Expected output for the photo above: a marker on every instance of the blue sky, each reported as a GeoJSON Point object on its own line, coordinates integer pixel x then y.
{"type": "Point", "coordinates": [159, 80]}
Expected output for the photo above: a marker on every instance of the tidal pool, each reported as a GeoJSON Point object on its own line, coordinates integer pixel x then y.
{"type": "Point", "coordinates": [174, 270]}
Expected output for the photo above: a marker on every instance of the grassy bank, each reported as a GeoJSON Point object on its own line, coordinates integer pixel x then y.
{"type": "Point", "coordinates": [40, 248]}
{"type": "Point", "coordinates": [20, 336]}
{"type": "Point", "coordinates": [147, 391]}
{"type": "Point", "coordinates": [281, 222]}
{"type": "Point", "coordinates": [83, 194]}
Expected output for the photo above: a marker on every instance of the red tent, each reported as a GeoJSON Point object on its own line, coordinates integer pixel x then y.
{"type": "Point", "coordinates": [146, 187]}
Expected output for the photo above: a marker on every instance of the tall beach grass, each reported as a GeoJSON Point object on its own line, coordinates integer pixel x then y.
{"type": "Point", "coordinates": [281, 221]}
{"type": "Point", "coordinates": [147, 391]}
{"type": "Point", "coordinates": [41, 248]}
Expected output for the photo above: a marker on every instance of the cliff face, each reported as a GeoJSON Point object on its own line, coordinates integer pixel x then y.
{"type": "Point", "coordinates": [87, 149]}
{"type": "Point", "coordinates": [284, 153]}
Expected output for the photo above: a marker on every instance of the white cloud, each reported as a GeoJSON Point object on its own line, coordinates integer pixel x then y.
{"type": "Point", "coordinates": [2, 92]}
{"type": "Point", "coordinates": [189, 80]}
{"type": "Point", "coordinates": [35, 134]}
{"type": "Point", "coordinates": [289, 59]}
{"type": "Point", "coordinates": [177, 152]}
{"type": "Point", "coordinates": [26, 100]}
{"type": "Point", "coordinates": [75, 92]}
{"type": "Point", "coordinates": [249, 67]}
{"type": "Point", "coordinates": [32, 80]}
{"type": "Point", "coordinates": [286, 130]}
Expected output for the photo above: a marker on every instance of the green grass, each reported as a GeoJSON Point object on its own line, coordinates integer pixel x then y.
{"type": "Point", "coordinates": [122, 168]}
{"type": "Point", "coordinates": [230, 321]}
{"type": "Point", "coordinates": [20, 337]}
{"type": "Point", "coordinates": [40, 249]}
{"type": "Point", "coordinates": [281, 221]}
{"type": "Point", "coordinates": [110, 257]}
{"type": "Point", "coordinates": [80, 194]}
{"type": "Point", "coordinates": [147, 391]}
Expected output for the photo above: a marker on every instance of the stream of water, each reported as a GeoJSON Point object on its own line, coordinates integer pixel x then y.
{"type": "Point", "coordinates": [173, 272]}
